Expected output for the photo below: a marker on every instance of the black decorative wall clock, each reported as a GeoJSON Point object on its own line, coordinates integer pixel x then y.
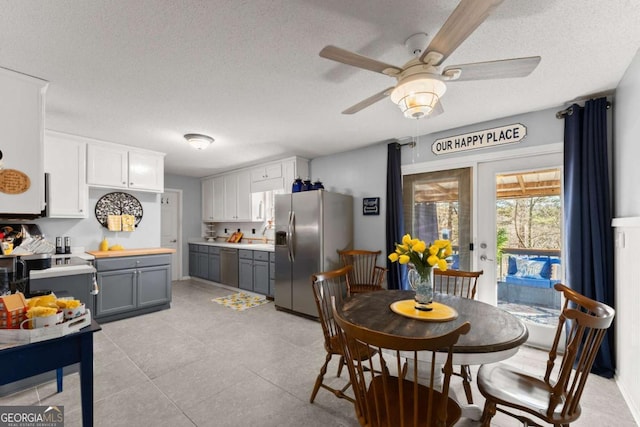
{"type": "Point", "coordinates": [118, 203]}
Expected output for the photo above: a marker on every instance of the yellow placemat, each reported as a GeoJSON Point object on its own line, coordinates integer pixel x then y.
{"type": "Point", "coordinates": [440, 312]}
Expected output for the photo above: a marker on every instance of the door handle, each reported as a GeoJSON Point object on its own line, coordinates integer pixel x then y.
{"type": "Point", "coordinates": [484, 258]}
{"type": "Point", "coordinates": [173, 241]}
{"type": "Point", "coordinates": [290, 236]}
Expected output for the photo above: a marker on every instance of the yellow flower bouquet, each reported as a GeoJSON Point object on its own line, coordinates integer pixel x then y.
{"type": "Point", "coordinates": [422, 259]}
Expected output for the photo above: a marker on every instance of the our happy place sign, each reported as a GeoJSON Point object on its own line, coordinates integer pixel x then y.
{"type": "Point", "coordinates": [481, 139]}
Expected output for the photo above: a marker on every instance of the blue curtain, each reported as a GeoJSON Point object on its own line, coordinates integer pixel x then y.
{"type": "Point", "coordinates": [587, 210]}
{"type": "Point", "coordinates": [396, 278]}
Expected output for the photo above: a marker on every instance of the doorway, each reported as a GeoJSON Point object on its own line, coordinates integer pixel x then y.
{"type": "Point", "coordinates": [438, 206]}
{"type": "Point", "coordinates": [171, 234]}
{"type": "Point", "coordinates": [519, 238]}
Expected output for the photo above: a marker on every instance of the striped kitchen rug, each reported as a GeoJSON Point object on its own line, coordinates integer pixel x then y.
{"type": "Point", "coordinates": [241, 301]}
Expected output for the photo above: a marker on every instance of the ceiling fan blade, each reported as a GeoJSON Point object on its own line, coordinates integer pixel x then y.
{"type": "Point", "coordinates": [501, 69]}
{"type": "Point", "coordinates": [350, 58]}
{"type": "Point", "coordinates": [370, 100]}
{"type": "Point", "coordinates": [466, 17]}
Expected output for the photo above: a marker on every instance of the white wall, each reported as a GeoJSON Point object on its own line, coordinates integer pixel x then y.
{"type": "Point", "coordinates": [627, 211]}
{"type": "Point", "coordinates": [626, 128]}
{"type": "Point", "coordinates": [359, 173]}
{"type": "Point", "coordinates": [542, 128]}
{"type": "Point", "coordinates": [89, 232]}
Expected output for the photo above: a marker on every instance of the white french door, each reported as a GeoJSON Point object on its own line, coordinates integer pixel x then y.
{"type": "Point", "coordinates": [487, 230]}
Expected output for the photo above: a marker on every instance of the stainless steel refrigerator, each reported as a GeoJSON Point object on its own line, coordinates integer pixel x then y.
{"type": "Point", "coordinates": [311, 226]}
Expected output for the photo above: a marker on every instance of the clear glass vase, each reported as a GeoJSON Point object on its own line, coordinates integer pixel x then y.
{"type": "Point", "coordinates": [422, 284]}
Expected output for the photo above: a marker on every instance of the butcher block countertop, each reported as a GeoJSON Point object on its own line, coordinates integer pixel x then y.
{"type": "Point", "coordinates": [131, 252]}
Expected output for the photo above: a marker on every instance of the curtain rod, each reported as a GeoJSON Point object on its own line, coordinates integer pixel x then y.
{"type": "Point", "coordinates": [410, 144]}
{"type": "Point", "coordinates": [399, 145]}
{"type": "Point", "coordinates": [569, 111]}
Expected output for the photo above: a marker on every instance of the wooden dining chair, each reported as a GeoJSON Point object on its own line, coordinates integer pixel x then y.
{"type": "Point", "coordinates": [365, 275]}
{"type": "Point", "coordinates": [456, 282]}
{"type": "Point", "coordinates": [554, 397]}
{"type": "Point", "coordinates": [386, 392]}
{"type": "Point", "coordinates": [327, 285]}
{"type": "Point", "coordinates": [463, 284]}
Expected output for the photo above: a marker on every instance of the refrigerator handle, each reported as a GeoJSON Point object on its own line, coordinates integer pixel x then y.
{"type": "Point", "coordinates": [290, 236]}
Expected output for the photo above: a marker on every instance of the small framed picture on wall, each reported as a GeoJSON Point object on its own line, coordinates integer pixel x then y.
{"type": "Point", "coordinates": [371, 206]}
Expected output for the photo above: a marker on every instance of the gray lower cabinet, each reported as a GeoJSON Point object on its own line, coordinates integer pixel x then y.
{"type": "Point", "coordinates": [253, 270]}
{"type": "Point", "coordinates": [204, 262]}
{"type": "Point", "coordinates": [245, 269]}
{"type": "Point", "coordinates": [193, 260]}
{"type": "Point", "coordinates": [154, 285]}
{"type": "Point", "coordinates": [256, 269]}
{"type": "Point", "coordinates": [261, 277]}
{"type": "Point", "coordinates": [214, 263]}
{"type": "Point", "coordinates": [132, 285]}
{"type": "Point", "coordinates": [198, 261]}
{"type": "Point", "coordinates": [118, 292]}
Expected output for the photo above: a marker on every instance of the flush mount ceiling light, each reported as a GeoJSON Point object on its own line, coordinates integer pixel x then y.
{"type": "Point", "coordinates": [198, 141]}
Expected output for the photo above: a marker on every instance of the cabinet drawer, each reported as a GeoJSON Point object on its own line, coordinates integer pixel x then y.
{"type": "Point", "coordinates": [272, 257]}
{"type": "Point", "coordinates": [123, 263]}
{"type": "Point", "coordinates": [203, 249]}
{"type": "Point", "coordinates": [245, 253]}
{"type": "Point", "coordinates": [261, 256]}
{"type": "Point", "coordinates": [214, 250]}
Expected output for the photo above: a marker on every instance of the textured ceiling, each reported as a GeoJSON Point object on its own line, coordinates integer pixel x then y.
{"type": "Point", "coordinates": [247, 72]}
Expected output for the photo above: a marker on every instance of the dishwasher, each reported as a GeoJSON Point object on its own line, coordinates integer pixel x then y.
{"type": "Point", "coordinates": [229, 267]}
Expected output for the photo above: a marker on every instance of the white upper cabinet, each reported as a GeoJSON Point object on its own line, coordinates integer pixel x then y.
{"type": "Point", "coordinates": [218, 198]}
{"type": "Point", "coordinates": [107, 166]}
{"type": "Point", "coordinates": [237, 196]}
{"type": "Point", "coordinates": [293, 168]}
{"type": "Point", "coordinates": [268, 171]}
{"type": "Point", "coordinates": [146, 171]}
{"type": "Point", "coordinates": [65, 158]}
{"type": "Point", "coordinates": [246, 195]}
{"type": "Point", "coordinates": [117, 166]}
{"type": "Point", "coordinates": [208, 197]}
{"type": "Point", "coordinates": [22, 127]}
{"type": "Point", "coordinates": [266, 177]}
{"type": "Point", "coordinates": [278, 175]}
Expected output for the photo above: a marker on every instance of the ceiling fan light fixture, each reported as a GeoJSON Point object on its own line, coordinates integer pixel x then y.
{"type": "Point", "coordinates": [198, 141]}
{"type": "Point", "coordinates": [418, 95]}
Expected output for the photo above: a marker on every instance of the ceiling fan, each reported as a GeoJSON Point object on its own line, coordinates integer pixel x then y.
{"type": "Point", "coordinates": [420, 83]}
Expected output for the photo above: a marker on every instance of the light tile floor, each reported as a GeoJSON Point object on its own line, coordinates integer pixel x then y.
{"type": "Point", "coordinates": [202, 364]}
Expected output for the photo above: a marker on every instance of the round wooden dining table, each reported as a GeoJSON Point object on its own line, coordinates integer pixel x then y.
{"type": "Point", "coordinates": [495, 334]}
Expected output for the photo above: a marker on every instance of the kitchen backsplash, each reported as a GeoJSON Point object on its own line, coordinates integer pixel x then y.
{"type": "Point", "coordinates": [88, 232]}
{"type": "Point", "coordinates": [250, 230]}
